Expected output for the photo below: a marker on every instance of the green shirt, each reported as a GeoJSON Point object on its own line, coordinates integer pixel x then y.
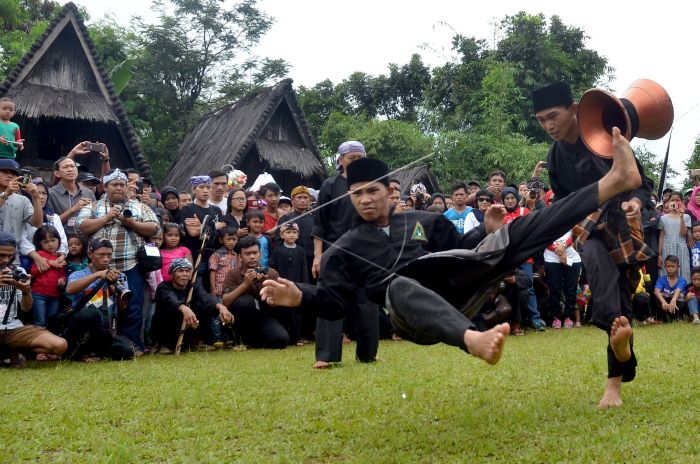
{"type": "Point", "coordinates": [11, 132]}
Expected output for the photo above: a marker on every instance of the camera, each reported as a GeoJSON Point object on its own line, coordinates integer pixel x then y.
{"type": "Point", "coordinates": [121, 289]}
{"type": "Point", "coordinates": [533, 194]}
{"type": "Point", "coordinates": [96, 147]}
{"type": "Point", "coordinates": [19, 274]}
{"type": "Point", "coordinates": [261, 270]}
{"type": "Point", "coordinates": [128, 214]}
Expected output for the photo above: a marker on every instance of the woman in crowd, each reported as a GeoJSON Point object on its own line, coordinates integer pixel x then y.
{"type": "Point", "coordinates": [237, 207]}
{"type": "Point", "coordinates": [484, 199]}
{"type": "Point", "coordinates": [438, 199]}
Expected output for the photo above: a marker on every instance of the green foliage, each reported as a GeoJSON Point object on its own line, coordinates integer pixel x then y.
{"type": "Point", "coordinates": [121, 74]}
{"type": "Point", "coordinates": [653, 165]}
{"type": "Point", "coordinates": [21, 23]}
{"type": "Point", "coordinates": [421, 404]}
{"type": "Point", "coordinates": [693, 162]}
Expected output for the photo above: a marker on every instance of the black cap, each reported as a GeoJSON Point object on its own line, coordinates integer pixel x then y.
{"type": "Point", "coordinates": [550, 95]}
{"type": "Point", "coordinates": [99, 242]}
{"type": "Point", "coordinates": [9, 165]}
{"type": "Point", "coordinates": [474, 182]}
{"type": "Point", "coordinates": [368, 170]}
{"type": "Point", "coordinates": [87, 177]}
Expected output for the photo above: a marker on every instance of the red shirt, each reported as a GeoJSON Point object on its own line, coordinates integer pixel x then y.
{"type": "Point", "coordinates": [270, 221]}
{"type": "Point", "coordinates": [519, 211]}
{"type": "Point", "coordinates": [46, 283]}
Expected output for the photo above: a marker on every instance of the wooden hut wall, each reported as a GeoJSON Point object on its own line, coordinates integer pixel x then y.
{"type": "Point", "coordinates": [47, 139]}
{"type": "Point", "coordinates": [281, 127]}
{"type": "Point", "coordinates": [62, 67]}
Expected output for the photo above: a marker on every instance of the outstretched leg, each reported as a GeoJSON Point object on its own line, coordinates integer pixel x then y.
{"type": "Point", "coordinates": [422, 316]}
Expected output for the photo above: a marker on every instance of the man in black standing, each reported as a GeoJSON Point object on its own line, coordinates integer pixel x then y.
{"type": "Point", "coordinates": [330, 224]}
{"type": "Point", "coordinates": [573, 166]}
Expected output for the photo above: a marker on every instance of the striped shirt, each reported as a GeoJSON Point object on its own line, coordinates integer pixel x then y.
{"type": "Point", "coordinates": [125, 242]}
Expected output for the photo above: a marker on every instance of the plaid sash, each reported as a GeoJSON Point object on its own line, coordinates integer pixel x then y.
{"type": "Point", "coordinates": [623, 237]}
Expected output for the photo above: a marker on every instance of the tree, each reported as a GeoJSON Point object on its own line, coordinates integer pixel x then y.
{"type": "Point", "coordinates": [197, 55]}
{"type": "Point", "coordinates": [21, 23]}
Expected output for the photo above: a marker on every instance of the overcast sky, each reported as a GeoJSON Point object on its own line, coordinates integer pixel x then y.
{"type": "Point", "coordinates": [331, 39]}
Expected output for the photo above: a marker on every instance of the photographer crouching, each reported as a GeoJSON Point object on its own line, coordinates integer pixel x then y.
{"type": "Point", "coordinates": [15, 292]}
{"type": "Point", "coordinates": [98, 293]}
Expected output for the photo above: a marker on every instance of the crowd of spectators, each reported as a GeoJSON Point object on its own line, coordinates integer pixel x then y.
{"type": "Point", "coordinates": [90, 244]}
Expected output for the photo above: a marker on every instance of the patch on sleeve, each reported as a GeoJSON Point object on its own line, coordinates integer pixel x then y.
{"type": "Point", "coordinates": [419, 233]}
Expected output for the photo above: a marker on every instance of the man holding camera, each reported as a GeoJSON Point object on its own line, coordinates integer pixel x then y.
{"type": "Point", "coordinates": [98, 293]}
{"type": "Point", "coordinates": [172, 306]}
{"type": "Point", "coordinates": [256, 323]}
{"type": "Point", "coordinates": [16, 209]}
{"type": "Point", "coordinates": [125, 223]}
{"type": "Point", "coordinates": [15, 293]}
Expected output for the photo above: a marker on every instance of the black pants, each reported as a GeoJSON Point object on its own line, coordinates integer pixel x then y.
{"type": "Point", "coordinates": [421, 315]}
{"type": "Point", "coordinates": [364, 318]}
{"type": "Point", "coordinates": [612, 297]}
{"type": "Point", "coordinates": [518, 299]}
{"type": "Point", "coordinates": [165, 327]}
{"type": "Point", "coordinates": [86, 334]}
{"type": "Point", "coordinates": [562, 277]}
{"type": "Point", "coordinates": [258, 328]}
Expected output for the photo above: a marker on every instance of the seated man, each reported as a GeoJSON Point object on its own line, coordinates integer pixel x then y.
{"type": "Point", "coordinates": [257, 324]}
{"type": "Point", "coordinates": [98, 293]}
{"type": "Point", "coordinates": [172, 307]}
{"type": "Point", "coordinates": [15, 293]}
{"type": "Point", "coordinates": [669, 291]}
{"type": "Point", "coordinates": [432, 279]}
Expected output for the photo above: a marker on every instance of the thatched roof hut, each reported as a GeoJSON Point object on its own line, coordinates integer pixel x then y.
{"type": "Point", "coordinates": [413, 175]}
{"type": "Point", "coordinates": [64, 96]}
{"type": "Point", "coordinates": [263, 132]}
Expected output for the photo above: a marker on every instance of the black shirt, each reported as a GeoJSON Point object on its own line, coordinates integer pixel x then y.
{"type": "Point", "coordinates": [306, 225]}
{"type": "Point", "coordinates": [194, 210]}
{"type": "Point", "coordinates": [366, 257]}
{"type": "Point", "coordinates": [290, 263]}
{"type": "Point", "coordinates": [331, 222]}
{"type": "Point", "coordinates": [572, 167]}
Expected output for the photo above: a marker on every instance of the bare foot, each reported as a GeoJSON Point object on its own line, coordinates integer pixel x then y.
{"type": "Point", "coordinates": [611, 396]}
{"type": "Point", "coordinates": [487, 345]}
{"type": "Point", "coordinates": [322, 365]}
{"type": "Point", "coordinates": [624, 175]}
{"type": "Point", "coordinates": [620, 334]}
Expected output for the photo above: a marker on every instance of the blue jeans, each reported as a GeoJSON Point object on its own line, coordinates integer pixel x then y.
{"type": "Point", "coordinates": [693, 306]}
{"type": "Point", "coordinates": [532, 308]}
{"type": "Point", "coordinates": [132, 319]}
{"type": "Point", "coordinates": [43, 307]}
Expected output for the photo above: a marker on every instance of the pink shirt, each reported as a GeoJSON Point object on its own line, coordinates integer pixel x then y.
{"type": "Point", "coordinates": [168, 257]}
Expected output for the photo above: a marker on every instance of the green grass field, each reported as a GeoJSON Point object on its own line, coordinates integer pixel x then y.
{"type": "Point", "coordinates": [421, 404]}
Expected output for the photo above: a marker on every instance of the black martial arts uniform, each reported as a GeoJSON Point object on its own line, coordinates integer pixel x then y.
{"type": "Point", "coordinates": [167, 318]}
{"type": "Point", "coordinates": [572, 167]}
{"type": "Point", "coordinates": [330, 223]}
{"type": "Point", "coordinates": [432, 279]}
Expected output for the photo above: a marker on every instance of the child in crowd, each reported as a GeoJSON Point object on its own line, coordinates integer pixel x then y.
{"type": "Point", "coordinates": [693, 294]}
{"type": "Point", "coordinates": [46, 291]}
{"type": "Point", "coordinates": [255, 218]}
{"type": "Point", "coordinates": [77, 255]}
{"type": "Point", "coordinates": [153, 279]}
{"type": "Point", "coordinates": [670, 290]}
{"type": "Point", "coordinates": [695, 249]}
{"type": "Point", "coordinates": [674, 228]}
{"type": "Point", "coordinates": [224, 259]}
{"type": "Point", "coordinates": [562, 265]}
{"type": "Point", "coordinates": [220, 263]}
{"type": "Point", "coordinates": [289, 259]}
{"type": "Point", "coordinates": [10, 138]}
{"type": "Point", "coordinates": [171, 248]}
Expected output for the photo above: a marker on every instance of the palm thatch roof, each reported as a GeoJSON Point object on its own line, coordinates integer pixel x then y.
{"type": "Point", "coordinates": [413, 175]}
{"type": "Point", "coordinates": [61, 86]}
{"type": "Point", "coordinates": [264, 131]}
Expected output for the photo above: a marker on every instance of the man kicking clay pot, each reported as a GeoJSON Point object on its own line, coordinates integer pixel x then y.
{"type": "Point", "coordinates": [433, 280]}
